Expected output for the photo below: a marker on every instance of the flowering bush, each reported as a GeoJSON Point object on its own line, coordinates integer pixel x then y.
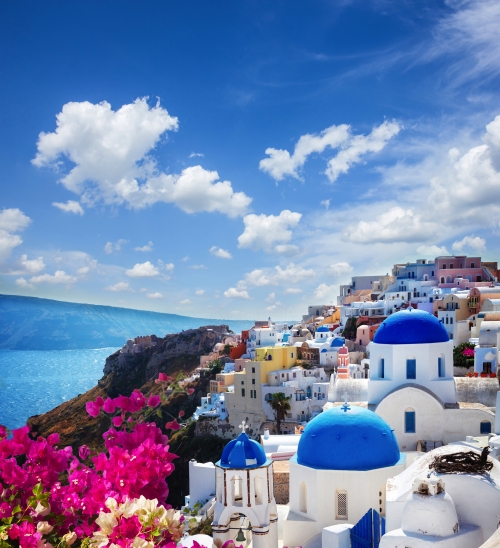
{"type": "Point", "coordinates": [463, 355]}
{"type": "Point", "coordinates": [51, 497]}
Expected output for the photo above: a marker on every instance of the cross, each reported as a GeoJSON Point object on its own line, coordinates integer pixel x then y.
{"type": "Point", "coordinates": [345, 407]}
{"type": "Point", "coordinates": [243, 426]}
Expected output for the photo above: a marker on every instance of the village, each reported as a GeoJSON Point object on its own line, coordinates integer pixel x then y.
{"type": "Point", "coordinates": [341, 425]}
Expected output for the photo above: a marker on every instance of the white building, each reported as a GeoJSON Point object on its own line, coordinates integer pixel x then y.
{"type": "Point", "coordinates": [344, 458]}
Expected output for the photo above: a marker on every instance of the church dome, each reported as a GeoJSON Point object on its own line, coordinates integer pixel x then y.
{"type": "Point", "coordinates": [411, 327]}
{"type": "Point", "coordinates": [322, 329]}
{"type": "Point", "coordinates": [348, 438]}
{"type": "Point", "coordinates": [242, 453]}
{"type": "Point", "coordinates": [337, 342]}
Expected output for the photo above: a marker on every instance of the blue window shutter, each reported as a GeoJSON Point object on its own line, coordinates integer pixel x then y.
{"type": "Point", "coordinates": [411, 369]}
{"type": "Point", "coordinates": [410, 422]}
{"type": "Point", "coordinates": [382, 368]}
{"type": "Point", "coordinates": [486, 427]}
{"type": "Point", "coordinates": [441, 367]}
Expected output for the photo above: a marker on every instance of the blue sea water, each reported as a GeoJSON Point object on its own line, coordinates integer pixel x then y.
{"type": "Point", "coordinates": [36, 381]}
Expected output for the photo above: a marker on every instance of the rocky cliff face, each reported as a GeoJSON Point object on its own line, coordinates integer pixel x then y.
{"type": "Point", "coordinates": [176, 353]}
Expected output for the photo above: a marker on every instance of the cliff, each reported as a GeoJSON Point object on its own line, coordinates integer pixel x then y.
{"type": "Point", "coordinates": [30, 323]}
{"type": "Point", "coordinates": [175, 354]}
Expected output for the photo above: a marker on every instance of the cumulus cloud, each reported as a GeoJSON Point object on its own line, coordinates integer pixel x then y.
{"type": "Point", "coordinates": [221, 253]}
{"type": "Point", "coordinates": [325, 203]}
{"type": "Point", "coordinates": [120, 287]}
{"type": "Point", "coordinates": [326, 292]}
{"type": "Point", "coordinates": [156, 295]}
{"type": "Point", "coordinates": [111, 153]}
{"type": "Point", "coordinates": [69, 207]}
{"type": "Point", "coordinates": [265, 231]}
{"type": "Point", "coordinates": [23, 265]}
{"type": "Point", "coordinates": [145, 248]}
{"type": "Point", "coordinates": [474, 244]}
{"type": "Point", "coordinates": [185, 301]}
{"type": "Point", "coordinates": [111, 247]}
{"type": "Point", "coordinates": [143, 270]}
{"type": "Point", "coordinates": [198, 267]}
{"type": "Point", "coordinates": [293, 290]}
{"type": "Point", "coordinates": [233, 293]}
{"type": "Point", "coordinates": [340, 269]}
{"type": "Point", "coordinates": [352, 148]}
{"type": "Point", "coordinates": [59, 277]}
{"type": "Point", "coordinates": [23, 284]}
{"type": "Point", "coordinates": [196, 154]}
{"type": "Point", "coordinates": [359, 146]}
{"type": "Point", "coordinates": [199, 292]}
{"type": "Point", "coordinates": [288, 250]}
{"type": "Point", "coordinates": [432, 250]}
{"type": "Point", "coordinates": [12, 220]}
{"type": "Point", "coordinates": [276, 276]}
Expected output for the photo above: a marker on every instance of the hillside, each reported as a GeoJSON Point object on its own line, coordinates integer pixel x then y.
{"type": "Point", "coordinates": [176, 353]}
{"type": "Point", "coordinates": [30, 323]}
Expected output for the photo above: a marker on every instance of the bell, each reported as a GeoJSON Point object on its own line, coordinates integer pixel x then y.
{"type": "Point", "coordinates": [240, 537]}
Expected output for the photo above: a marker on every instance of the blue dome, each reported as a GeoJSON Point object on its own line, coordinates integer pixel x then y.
{"type": "Point", "coordinates": [352, 439]}
{"type": "Point", "coordinates": [411, 327]}
{"type": "Point", "coordinates": [322, 329]}
{"type": "Point", "coordinates": [242, 453]}
{"type": "Point", "coordinates": [337, 342]}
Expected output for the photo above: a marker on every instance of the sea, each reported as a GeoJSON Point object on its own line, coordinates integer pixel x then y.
{"type": "Point", "coordinates": [35, 381]}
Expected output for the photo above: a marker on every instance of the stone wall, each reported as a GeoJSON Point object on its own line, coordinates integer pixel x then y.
{"type": "Point", "coordinates": [281, 480]}
{"type": "Point", "coordinates": [477, 390]}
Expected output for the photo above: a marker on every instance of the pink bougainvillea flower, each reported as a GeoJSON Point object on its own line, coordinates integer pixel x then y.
{"type": "Point", "coordinates": [117, 421]}
{"type": "Point", "coordinates": [53, 439]}
{"type": "Point", "coordinates": [109, 406]}
{"type": "Point", "coordinates": [92, 408]}
{"type": "Point", "coordinates": [123, 403]}
{"type": "Point", "coordinates": [154, 401]}
{"type": "Point", "coordinates": [190, 391]}
{"type": "Point", "coordinates": [162, 378]}
{"type": "Point", "coordinates": [173, 425]}
{"type": "Point", "coordinates": [181, 413]}
{"type": "Point", "coordinates": [83, 452]}
{"type": "Point", "coordinates": [3, 431]}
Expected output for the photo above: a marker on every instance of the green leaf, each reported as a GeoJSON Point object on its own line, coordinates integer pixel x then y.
{"type": "Point", "coordinates": [16, 509]}
{"type": "Point", "coordinates": [159, 413]}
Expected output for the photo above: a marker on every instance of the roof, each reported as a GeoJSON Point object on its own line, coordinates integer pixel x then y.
{"type": "Point", "coordinates": [411, 326]}
{"type": "Point", "coordinates": [348, 438]}
{"type": "Point", "coordinates": [243, 453]}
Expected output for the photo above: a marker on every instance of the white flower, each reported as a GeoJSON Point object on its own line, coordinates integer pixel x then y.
{"type": "Point", "coordinates": [69, 538]}
{"type": "Point", "coordinates": [106, 522]}
{"type": "Point", "coordinates": [44, 527]}
{"type": "Point", "coordinates": [41, 510]}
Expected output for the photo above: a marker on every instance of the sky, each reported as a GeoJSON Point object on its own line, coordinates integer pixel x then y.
{"type": "Point", "coordinates": [237, 160]}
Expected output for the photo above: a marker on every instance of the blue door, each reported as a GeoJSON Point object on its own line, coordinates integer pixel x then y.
{"type": "Point", "coordinates": [411, 369]}
{"type": "Point", "coordinates": [367, 532]}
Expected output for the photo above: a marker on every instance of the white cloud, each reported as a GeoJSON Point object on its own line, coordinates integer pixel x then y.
{"type": "Point", "coordinates": [340, 269]}
{"type": "Point", "coordinates": [184, 259]}
{"type": "Point", "coordinates": [265, 231]}
{"type": "Point", "coordinates": [475, 244]}
{"type": "Point", "coordinates": [288, 250]}
{"type": "Point", "coordinates": [233, 293]}
{"type": "Point", "coordinates": [69, 207]}
{"type": "Point", "coordinates": [326, 292]}
{"type": "Point", "coordinates": [12, 220]}
{"type": "Point", "coordinates": [325, 203]}
{"type": "Point", "coordinates": [156, 295]}
{"type": "Point", "coordinates": [360, 145]}
{"type": "Point", "coordinates": [59, 277]}
{"type": "Point", "coordinates": [143, 270]}
{"type": "Point", "coordinates": [111, 247]}
{"type": "Point", "coordinates": [167, 266]}
{"type": "Point", "coordinates": [111, 153]}
{"type": "Point", "coordinates": [276, 276]}
{"type": "Point", "coordinates": [281, 162]}
{"type": "Point", "coordinates": [293, 290]}
{"type": "Point", "coordinates": [83, 270]}
{"type": "Point", "coordinates": [196, 154]}
{"type": "Point", "coordinates": [199, 292]}
{"type": "Point", "coordinates": [221, 253]}
{"type": "Point", "coordinates": [432, 251]}
{"type": "Point", "coordinates": [271, 298]}
{"type": "Point", "coordinates": [185, 301]}
{"type": "Point", "coordinates": [23, 265]}
{"type": "Point", "coordinates": [145, 248]}
{"type": "Point", "coordinates": [120, 287]}
{"type": "Point", "coordinates": [198, 267]}
{"type": "Point", "coordinates": [22, 283]}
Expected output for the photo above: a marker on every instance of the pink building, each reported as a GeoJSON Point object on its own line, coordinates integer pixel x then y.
{"type": "Point", "coordinates": [466, 272]}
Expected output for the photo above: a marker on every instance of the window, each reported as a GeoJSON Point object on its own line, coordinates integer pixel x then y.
{"type": "Point", "coordinates": [243, 392]}
{"type": "Point", "coordinates": [411, 368]}
{"type": "Point", "coordinates": [303, 497]}
{"type": "Point", "coordinates": [237, 490]}
{"type": "Point", "coordinates": [253, 381]}
{"type": "Point", "coordinates": [382, 368]}
{"type": "Point", "coordinates": [242, 382]}
{"type": "Point", "coordinates": [472, 265]}
{"type": "Point", "coordinates": [444, 266]}
{"type": "Point", "coordinates": [253, 369]}
{"type": "Point", "coordinates": [485, 427]}
{"type": "Point", "coordinates": [432, 273]}
{"type": "Point", "coordinates": [341, 504]}
{"type": "Point", "coordinates": [410, 426]}
{"type": "Point", "coordinates": [451, 265]}
{"type": "Point", "coordinates": [259, 491]}
{"type": "Point", "coordinates": [292, 354]}
{"type": "Point", "coordinates": [446, 320]}
{"type": "Point", "coordinates": [441, 370]}
{"type": "Point", "coordinates": [451, 321]}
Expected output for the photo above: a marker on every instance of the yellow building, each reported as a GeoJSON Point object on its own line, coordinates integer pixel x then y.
{"type": "Point", "coordinates": [245, 403]}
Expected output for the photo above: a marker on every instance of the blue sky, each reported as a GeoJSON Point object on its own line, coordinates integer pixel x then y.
{"type": "Point", "coordinates": [239, 159]}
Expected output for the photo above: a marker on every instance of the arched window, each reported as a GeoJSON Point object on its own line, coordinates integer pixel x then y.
{"type": "Point", "coordinates": [426, 277]}
{"type": "Point", "coordinates": [269, 358]}
{"type": "Point", "coordinates": [442, 279]}
{"type": "Point", "coordinates": [411, 368]}
{"type": "Point", "coordinates": [469, 277]}
{"type": "Point", "coordinates": [341, 504]}
{"type": "Point", "coordinates": [382, 368]}
{"type": "Point", "coordinates": [303, 497]}
{"type": "Point", "coordinates": [441, 366]}
{"type": "Point", "coordinates": [448, 279]}
{"type": "Point", "coordinates": [410, 421]}
{"type": "Point", "coordinates": [220, 488]}
{"type": "Point", "coordinates": [485, 427]}
{"type": "Point", "coordinates": [259, 490]}
{"type": "Point", "coordinates": [237, 490]}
